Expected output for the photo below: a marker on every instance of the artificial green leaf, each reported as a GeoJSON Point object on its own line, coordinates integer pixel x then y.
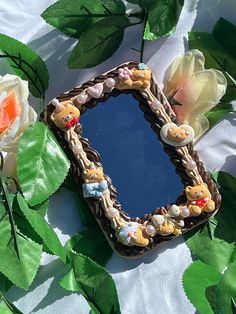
{"type": "Point", "coordinates": [95, 284]}
{"type": "Point", "coordinates": [6, 307]}
{"type": "Point", "coordinates": [214, 243]}
{"type": "Point", "coordinates": [218, 113]}
{"type": "Point", "coordinates": [41, 164]}
{"type": "Point", "coordinates": [26, 64]}
{"type": "Point", "coordinates": [68, 282]}
{"type": "Point", "coordinates": [73, 17]}
{"type": "Point", "coordinates": [42, 228]}
{"type": "Point", "coordinates": [41, 208]}
{"type": "Point", "coordinates": [196, 278]}
{"type": "Point", "coordinates": [226, 291]}
{"type": "Point", "coordinates": [5, 283]}
{"type": "Point", "coordinates": [216, 57]}
{"type": "Point", "coordinates": [162, 19]}
{"type": "Point", "coordinates": [86, 216]}
{"type": "Point", "coordinates": [99, 42]}
{"type": "Point", "coordinates": [20, 256]}
{"type": "Point", "coordinates": [92, 243]}
{"type": "Point", "coordinates": [225, 33]}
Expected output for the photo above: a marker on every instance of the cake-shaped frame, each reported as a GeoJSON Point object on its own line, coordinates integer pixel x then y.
{"type": "Point", "coordinates": [133, 237]}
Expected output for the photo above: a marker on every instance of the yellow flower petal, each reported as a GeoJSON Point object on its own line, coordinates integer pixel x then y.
{"type": "Point", "coordinates": [183, 67]}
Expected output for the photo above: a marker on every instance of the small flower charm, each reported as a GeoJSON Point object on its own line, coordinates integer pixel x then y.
{"type": "Point", "coordinates": [142, 66]}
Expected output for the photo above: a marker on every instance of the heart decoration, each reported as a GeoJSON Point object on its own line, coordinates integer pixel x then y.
{"type": "Point", "coordinates": [175, 135]}
{"type": "Point", "coordinates": [96, 90]}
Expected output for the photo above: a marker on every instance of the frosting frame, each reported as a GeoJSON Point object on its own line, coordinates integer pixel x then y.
{"type": "Point", "coordinates": [136, 236]}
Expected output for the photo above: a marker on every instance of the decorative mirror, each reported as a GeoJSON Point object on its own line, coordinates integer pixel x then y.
{"type": "Point", "coordinates": [142, 204]}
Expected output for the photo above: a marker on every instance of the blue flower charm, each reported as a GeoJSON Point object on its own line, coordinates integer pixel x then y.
{"type": "Point", "coordinates": [142, 66]}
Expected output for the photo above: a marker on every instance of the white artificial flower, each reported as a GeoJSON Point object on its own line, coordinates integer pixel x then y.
{"type": "Point", "coordinates": [196, 89]}
{"type": "Point", "coordinates": [15, 116]}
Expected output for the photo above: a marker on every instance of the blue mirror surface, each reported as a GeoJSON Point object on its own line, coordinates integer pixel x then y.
{"type": "Point", "coordinates": [131, 155]}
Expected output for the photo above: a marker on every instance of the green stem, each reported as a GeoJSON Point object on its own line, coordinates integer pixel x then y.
{"type": "Point", "coordinates": [143, 40]}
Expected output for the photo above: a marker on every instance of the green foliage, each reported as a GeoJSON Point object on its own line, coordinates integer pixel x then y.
{"type": "Point", "coordinates": [26, 64]}
{"type": "Point", "coordinates": [92, 243]}
{"type": "Point", "coordinates": [94, 283]}
{"type": "Point", "coordinates": [225, 33]}
{"type": "Point", "coordinates": [73, 17]}
{"type": "Point", "coordinates": [100, 25]}
{"type": "Point", "coordinates": [214, 245]}
{"type": "Point", "coordinates": [98, 43]}
{"type": "Point", "coordinates": [196, 279]}
{"type": "Point", "coordinates": [42, 228]}
{"type": "Point", "coordinates": [41, 164]}
{"type": "Point", "coordinates": [20, 256]}
{"type": "Point", "coordinates": [226, 291]}
{"type": "Point", "coordinates": [6, 307]}
{"type": "Point", "coordinates": [218, 113]}
{"type": "Point", "coordinates": [162, 19]}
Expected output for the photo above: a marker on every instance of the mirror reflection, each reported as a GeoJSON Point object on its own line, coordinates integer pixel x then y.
{"type": "Point", "coordinates": [131, 155]}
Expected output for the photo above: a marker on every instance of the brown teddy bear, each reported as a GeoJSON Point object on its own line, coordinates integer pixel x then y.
{"type": "Point", "coordinates": [65, 114]}
{"type": "Point", "coordinates": [177, 134]}
{"type": "Point", "coordinates": [95, 184]}
{"type": "Point", "coordinates": [134, 78]}
{"type": "Point", "coordinates": [199, 199]}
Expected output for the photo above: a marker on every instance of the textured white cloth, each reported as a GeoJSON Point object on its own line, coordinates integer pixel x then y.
{"type": "Point", "coordinates": [151, 284]}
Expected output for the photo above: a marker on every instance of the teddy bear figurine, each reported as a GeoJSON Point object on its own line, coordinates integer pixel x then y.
{"type": "Point", "coordinates": [65, 114]}
{"type": "Point", "coordinates": [165, 225]}
{"type": "Point", "coordinates": [134, 78]}
{"type": "Point", "coordinates": [177, 134]}
{"type": "Point", "coordinates": [199, 199]}
{"type": "Point", "coordinates": [95, 184]}
{"type": "Point", "coordinates": [133, 233]}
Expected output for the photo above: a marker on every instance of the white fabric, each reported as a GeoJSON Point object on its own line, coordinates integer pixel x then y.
{"type": "Point", "coordinates": [151, 284]}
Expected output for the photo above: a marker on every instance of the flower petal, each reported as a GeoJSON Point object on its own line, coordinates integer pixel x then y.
{"type": "Point", "coordinates": [183, 67]}
{"type": "Point", "coordinates": [198, 94]}
{"type": "Point", "coordinates": [10, 136]}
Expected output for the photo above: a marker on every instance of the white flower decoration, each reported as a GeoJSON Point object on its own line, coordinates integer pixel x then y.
{"type": "Point", "coordinates": [15, 116]}
{"type": "Point", "coordinates": [196, 90]}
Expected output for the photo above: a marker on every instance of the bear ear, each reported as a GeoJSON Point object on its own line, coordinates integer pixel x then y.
{"type": "Point", "coordinates": [188, 188]}
{"type": "Point", "coordinates": [170, 129]}
{"type": "Point", "coordinates": [134, 70]}
{"type": "Point", "coordinates": [85, 171]}
{"type": "Point", "coordinates": [204, 185]}
{"type": "Point", "coordinates": [53, 116]}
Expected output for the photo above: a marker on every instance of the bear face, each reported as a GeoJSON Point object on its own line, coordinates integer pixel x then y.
{"type": "Point", "coordinates": [177, 134]}
{"type": "Point", "coordinates": [67, 116]}
{"type": "Point", "coordinates": [140, 75]}
{"type": "Point", "coordinates": [93, 175]}
{"type": "Point", "coordinates": [197, 192]}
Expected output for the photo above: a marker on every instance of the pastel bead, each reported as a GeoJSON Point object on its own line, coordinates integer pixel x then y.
{"type": "Point", "coordinates": [112, 212]}
{"type": "Point", "coordinates": [191, 164]}
{"type": "Point", "coordinates": [77, 149]}
{"type": "Point", "coordinates": [174, 211]}
{"type": "Point", "coordinates": [82, 98]}
{"type": "Point", "coordinates": [150, 230]}
{"type": "Point", "coordinates": [185, 212]}
{"type": "Point", "coordinates": [155, 105]}
{"type": "Point", "coordinates": [110, 82]}
{"type": "Point", "coordinates": [180, 223]}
